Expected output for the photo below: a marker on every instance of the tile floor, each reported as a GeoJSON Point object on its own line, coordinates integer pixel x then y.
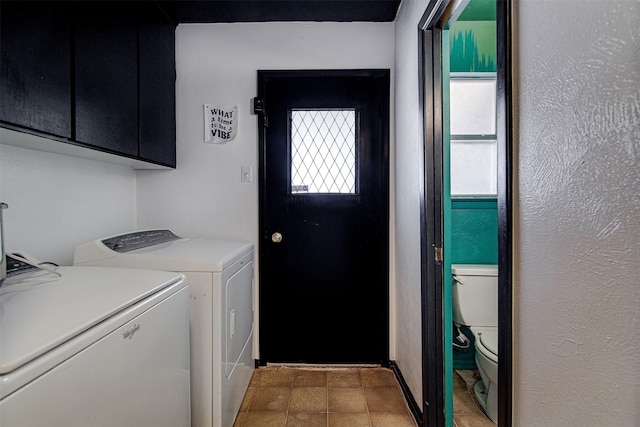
{"type": "Point", "coordinates": [327, 397]}
{"type": "Point", "coordinates": [466, 412]}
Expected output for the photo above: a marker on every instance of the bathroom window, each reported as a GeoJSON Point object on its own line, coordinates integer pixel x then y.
{"type": "Point", "coordinates": [474, 155]}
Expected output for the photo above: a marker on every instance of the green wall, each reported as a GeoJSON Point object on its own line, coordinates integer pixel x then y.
{"type": "Point", "coordinates": [473, 46]}
{"type": "Point", "coordinates": [474, 228]}
{"type": "Point", "coordinates": [479, 10]}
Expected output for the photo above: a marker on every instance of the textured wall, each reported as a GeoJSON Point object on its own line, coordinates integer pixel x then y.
{"type": "Point", "coordinates": [409, 152]}
{"type": "Point", "coordinates": [577, 286]}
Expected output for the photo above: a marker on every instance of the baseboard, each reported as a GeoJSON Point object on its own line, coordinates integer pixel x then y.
{"type": "Point", "coordinates": [415, 409]}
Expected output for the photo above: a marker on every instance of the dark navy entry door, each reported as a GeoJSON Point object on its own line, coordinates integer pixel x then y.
{"type": "Point", "coordinates": [324, 203]}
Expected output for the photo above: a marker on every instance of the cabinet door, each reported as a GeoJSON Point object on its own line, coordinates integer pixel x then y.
{"type": "Point", "coordinates": [35, 79]}
{"type": "Point", "coordinates": [157, 87]}
{"type": "Point", "coordinates": [106, 76]}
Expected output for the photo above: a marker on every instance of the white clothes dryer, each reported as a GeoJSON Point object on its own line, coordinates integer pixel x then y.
{"type": "Point", "coordinates": [95, 347]}
{"type": "Point", "coordinates": [220, 275]}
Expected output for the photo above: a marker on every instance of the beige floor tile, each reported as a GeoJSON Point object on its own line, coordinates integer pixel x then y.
{"type": "Point", "coordinates": [310, 378]}
{"type": "Point", "coordinates": [275, 399]}
{"type": "Point", "coordinates": [344, 378]}
{"type": "Point", "coordinates": [349, 420]}
{"type": "Point", "coordinates": [458, 382]}
{"type": "Point", "coordinates": [308, 399]}
{"type": "Point", "coordinates": [469, 376]}
{"type": "Point", "coordinates": [349, 397]}
{"type": "Point", "coordinates": [463, 402]}
{"type": "Point", "coordinates": [272, 377]}
{"type": "Point", "coordinates": [347, 400]}
{"type": "Point", "coordinates": [463, 420]}
{"type": "Point", "coordinates": [248, 398]}
{"type": "Point", "coordinates": [265, 419]}
{"type": "Point", "coordinates": [303, 419]}
{"type": "Point", "coordinates": [385, 399]}
{"type": "Point", "coordinates": [239, 419]}
{"type": "Point", "coordinates": [385, 419]}
{"type": "Point", "coordinates": [378, 378]}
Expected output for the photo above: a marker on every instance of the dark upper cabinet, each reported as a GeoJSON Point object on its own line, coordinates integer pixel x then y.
{"type": "Point", "coordinates": [35, 76]}
{"type": "Point", "coordinates": [96, 74]}
{"type": "Point", "coordinates": [106, 77]}
{"type": "Point", "coordinates": [156, 63]}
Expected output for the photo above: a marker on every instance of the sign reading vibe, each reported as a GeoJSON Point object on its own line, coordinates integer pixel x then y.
{"type": "Point", "coordinates": [220, 123]}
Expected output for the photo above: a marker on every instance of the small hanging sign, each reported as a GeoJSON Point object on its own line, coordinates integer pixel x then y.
{"type": "Point", "coordinates": [220, 123]}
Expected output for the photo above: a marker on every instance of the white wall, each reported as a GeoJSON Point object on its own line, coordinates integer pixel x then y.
{"type": "Point", "coordinates": [217, 64]}
{"type": "Point", "coordinates": [56, 202]}
{"type": "Point", "coordinates": [409, 152]}
{"type": "Point", "coordinates": [577, 293]}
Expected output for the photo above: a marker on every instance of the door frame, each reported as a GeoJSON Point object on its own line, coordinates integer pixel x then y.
{"type": "Point", "coordinates": [431, 219]}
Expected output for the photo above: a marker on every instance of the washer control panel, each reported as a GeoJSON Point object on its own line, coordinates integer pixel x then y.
{"type": "Point", "coordinates": [139, 240]}
{"type": "Point", "coordinates": [15, 267]}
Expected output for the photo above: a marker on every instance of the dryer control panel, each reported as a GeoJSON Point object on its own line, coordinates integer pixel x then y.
{"type": "Point", "coordinates": [139, 240]}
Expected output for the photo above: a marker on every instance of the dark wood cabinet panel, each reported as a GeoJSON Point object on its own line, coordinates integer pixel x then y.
{"type": "Point", "coordinates": [94, 74]}
{"type": "Point", "coordinates": [157, 87]}
{"type": "Point", "coordinates": [106, 78]}
{"type": "Point", "coordinates": [35, 76]}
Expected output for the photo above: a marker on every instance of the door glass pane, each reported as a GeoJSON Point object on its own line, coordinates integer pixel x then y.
{"type": "Point", "coordinates": [323, 151]}
{"type": "Point", "coordinates": [473, 168]}
{"type": "Point", "coordinates": [473, 106]}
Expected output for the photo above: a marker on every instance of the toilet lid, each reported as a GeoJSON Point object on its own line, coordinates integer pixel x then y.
{"type": "Point", "coordinates": [489, 340]}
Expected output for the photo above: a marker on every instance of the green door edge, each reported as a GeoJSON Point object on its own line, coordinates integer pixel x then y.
{"type": "Point", "coordinates": [447, 232]}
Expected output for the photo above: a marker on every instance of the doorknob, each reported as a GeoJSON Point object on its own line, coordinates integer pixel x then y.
{"type": "Point", "coordinates": [276, 237]}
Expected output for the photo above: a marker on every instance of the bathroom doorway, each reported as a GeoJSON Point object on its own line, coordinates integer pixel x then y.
{"type": "Point", "coordinates": [465, 50]}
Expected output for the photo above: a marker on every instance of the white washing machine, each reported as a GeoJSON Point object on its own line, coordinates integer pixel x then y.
{"type": "Point", "coordinates": [220, 275]}
{"type": "Point", "coordinates": [95, 347]}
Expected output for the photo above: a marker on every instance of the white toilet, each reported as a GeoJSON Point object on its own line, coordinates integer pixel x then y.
{"type": "Point", "coordinates": [475, 304]}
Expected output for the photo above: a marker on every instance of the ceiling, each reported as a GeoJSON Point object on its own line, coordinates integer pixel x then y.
{"type": "Point", "coordinates": [210, 11]}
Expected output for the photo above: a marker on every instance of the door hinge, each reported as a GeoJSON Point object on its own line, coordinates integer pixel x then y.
{"type": "Point", "coordinates": [439, 254]}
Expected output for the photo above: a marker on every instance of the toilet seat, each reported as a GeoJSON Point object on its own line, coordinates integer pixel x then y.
{"type": "Point", "coordinates": [487, 344]}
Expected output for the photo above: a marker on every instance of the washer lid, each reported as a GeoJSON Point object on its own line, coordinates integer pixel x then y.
{"type": "Point", "coordinates": [37, 316]}
{"type": "Point", "coordinates": [189, 255]}
{"type": "Point", "coordinates": [474, 269]}
{"type": "Point", "coordinates": [489, 340]}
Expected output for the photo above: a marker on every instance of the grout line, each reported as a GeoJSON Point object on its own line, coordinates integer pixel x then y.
{"type": "Point", "coordinates": [366, 404]}
{"type": "Point", "coordinates": [286, 414]}
{"type": "Point", "coordinates": [327, 406]}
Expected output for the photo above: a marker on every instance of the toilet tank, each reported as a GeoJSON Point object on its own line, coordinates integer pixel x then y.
{"type": "Point", "coordinates": [475, 294]}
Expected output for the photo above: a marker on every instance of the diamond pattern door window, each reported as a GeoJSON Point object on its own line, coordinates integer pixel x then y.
{"type": "Point", "coordinates": [323, 151]}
